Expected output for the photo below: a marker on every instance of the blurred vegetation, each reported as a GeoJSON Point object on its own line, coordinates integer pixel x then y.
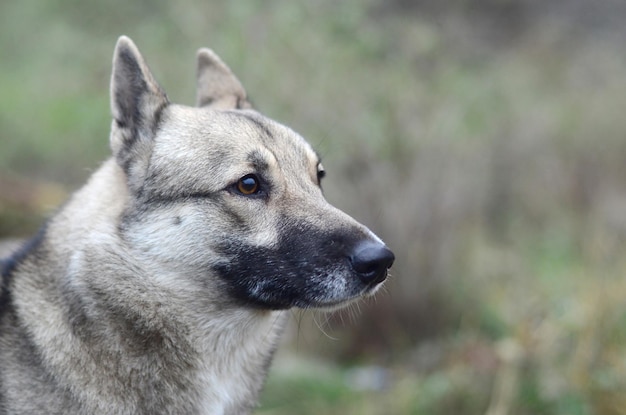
{"type": "Point", "coordinates": [482, 139]}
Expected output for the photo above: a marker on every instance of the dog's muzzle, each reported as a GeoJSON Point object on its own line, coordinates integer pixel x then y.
{"type": "Point", "coordinates": [371, 260]}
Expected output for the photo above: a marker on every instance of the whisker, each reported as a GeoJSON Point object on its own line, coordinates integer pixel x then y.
{"type": "Point", "coordinates": [321, 328]}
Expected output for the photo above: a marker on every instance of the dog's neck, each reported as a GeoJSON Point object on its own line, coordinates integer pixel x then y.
{"type": "Point", "coordinates": [246, 347]}
{"type": "Point", "coordinates": [213, 363]}
{"type": "Point", "coordinates": [212, 359]}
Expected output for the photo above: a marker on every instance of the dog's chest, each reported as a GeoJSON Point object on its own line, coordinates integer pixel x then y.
{"type": "Point", "coordinates": [222, 395]}
{"type": "Point", "coordinates": [235, 365]}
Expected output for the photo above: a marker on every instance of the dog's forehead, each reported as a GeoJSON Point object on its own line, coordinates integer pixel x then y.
{"type": "Point", "coordinates": [231, 134]}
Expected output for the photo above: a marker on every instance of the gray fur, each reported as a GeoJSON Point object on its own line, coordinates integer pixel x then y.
{"type": "Point", "coordinates": [160, 287]}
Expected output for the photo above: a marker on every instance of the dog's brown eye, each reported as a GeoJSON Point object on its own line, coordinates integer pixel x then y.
{"type": "Point", "coordinates": [248, 185]}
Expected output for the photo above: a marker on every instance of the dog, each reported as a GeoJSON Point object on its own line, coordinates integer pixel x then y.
{"type": "Point", "coordinates": [161, 286]}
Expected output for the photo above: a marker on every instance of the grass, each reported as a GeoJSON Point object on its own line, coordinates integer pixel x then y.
{"type": "Point", "coordinates": [339, 391]}
{"type": "Point", "coordinates": [492, 165]}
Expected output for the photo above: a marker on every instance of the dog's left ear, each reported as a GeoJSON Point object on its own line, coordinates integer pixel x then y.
{"type": "Point", "coordinates": [217, 86]}
{"type": "Point", "coordinates": [137, 101]}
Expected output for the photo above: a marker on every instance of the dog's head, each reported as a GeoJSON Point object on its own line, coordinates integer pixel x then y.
{"type": "Point", "coordinates": [229, 200]}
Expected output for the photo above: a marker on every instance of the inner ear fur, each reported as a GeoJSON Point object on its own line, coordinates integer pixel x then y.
{"type": "Point", "coordinates": [217, 86]}
{"type": "Point", "coordinates": [137, 101]}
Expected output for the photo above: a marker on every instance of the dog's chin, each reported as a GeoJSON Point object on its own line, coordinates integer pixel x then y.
{"type": "Point", "coordinates": [334, 303]}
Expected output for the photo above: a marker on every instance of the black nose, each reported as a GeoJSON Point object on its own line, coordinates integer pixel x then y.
{"type": "Point", "coordinates": [371, 260]}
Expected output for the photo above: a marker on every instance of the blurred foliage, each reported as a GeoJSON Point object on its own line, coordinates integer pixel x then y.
{"type": "Point", "coordinates": [482, 139]}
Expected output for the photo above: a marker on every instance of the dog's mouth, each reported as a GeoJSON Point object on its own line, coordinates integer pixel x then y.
{"type": "Point", "coordinates": [370, 263]}
{"type": "Point", "coordinates": [361, 275]}
{"type": "Point", "coordinates": [333, 302]}
{"type": "Point", "coordinates": [305, 272]}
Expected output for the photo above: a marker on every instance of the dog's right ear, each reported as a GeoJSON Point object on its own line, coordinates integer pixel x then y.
{"type": "Point", "coordinates": [136, 105]}
{"type": "Point", "coordinates": [217, 86]}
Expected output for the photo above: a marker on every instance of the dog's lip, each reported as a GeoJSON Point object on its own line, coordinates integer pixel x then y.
{"type": "Point", "coordinates": [337, 304]}
{"type": "Point", "coordinates": [333, 305]}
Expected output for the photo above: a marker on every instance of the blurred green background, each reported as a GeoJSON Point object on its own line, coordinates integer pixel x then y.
{"type": "Point", "coordinates": [484, 140]}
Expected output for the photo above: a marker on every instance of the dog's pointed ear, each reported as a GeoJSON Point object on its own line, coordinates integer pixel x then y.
{"type": "Point", "coordinates": [217, 86]}
{"type": "Point", "coordinates": [136, 102]}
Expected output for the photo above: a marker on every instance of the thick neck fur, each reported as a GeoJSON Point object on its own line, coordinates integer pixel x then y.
{"type": "Point", "coordinates": [128, 338]}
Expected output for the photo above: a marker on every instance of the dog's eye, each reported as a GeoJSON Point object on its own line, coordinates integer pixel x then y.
{"type": "Point", "coordinates": [248, 185]}
{"type": "Point", "coordinates": [321, 173]}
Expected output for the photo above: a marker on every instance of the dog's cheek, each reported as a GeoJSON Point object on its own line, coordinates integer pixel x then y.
{"type": "Point", "coordinates": [169, 236]}
{"type": "Point", "coordinates": [255, 276]}
{"type": "Point", "coordinates": [306, 268]}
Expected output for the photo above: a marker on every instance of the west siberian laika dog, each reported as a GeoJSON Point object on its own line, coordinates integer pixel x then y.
{"type": "Point", "coordinates": [161, 286]}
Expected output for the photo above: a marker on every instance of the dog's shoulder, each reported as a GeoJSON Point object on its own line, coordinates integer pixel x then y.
{"type": "Point", "coordinates": [10, 264]}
